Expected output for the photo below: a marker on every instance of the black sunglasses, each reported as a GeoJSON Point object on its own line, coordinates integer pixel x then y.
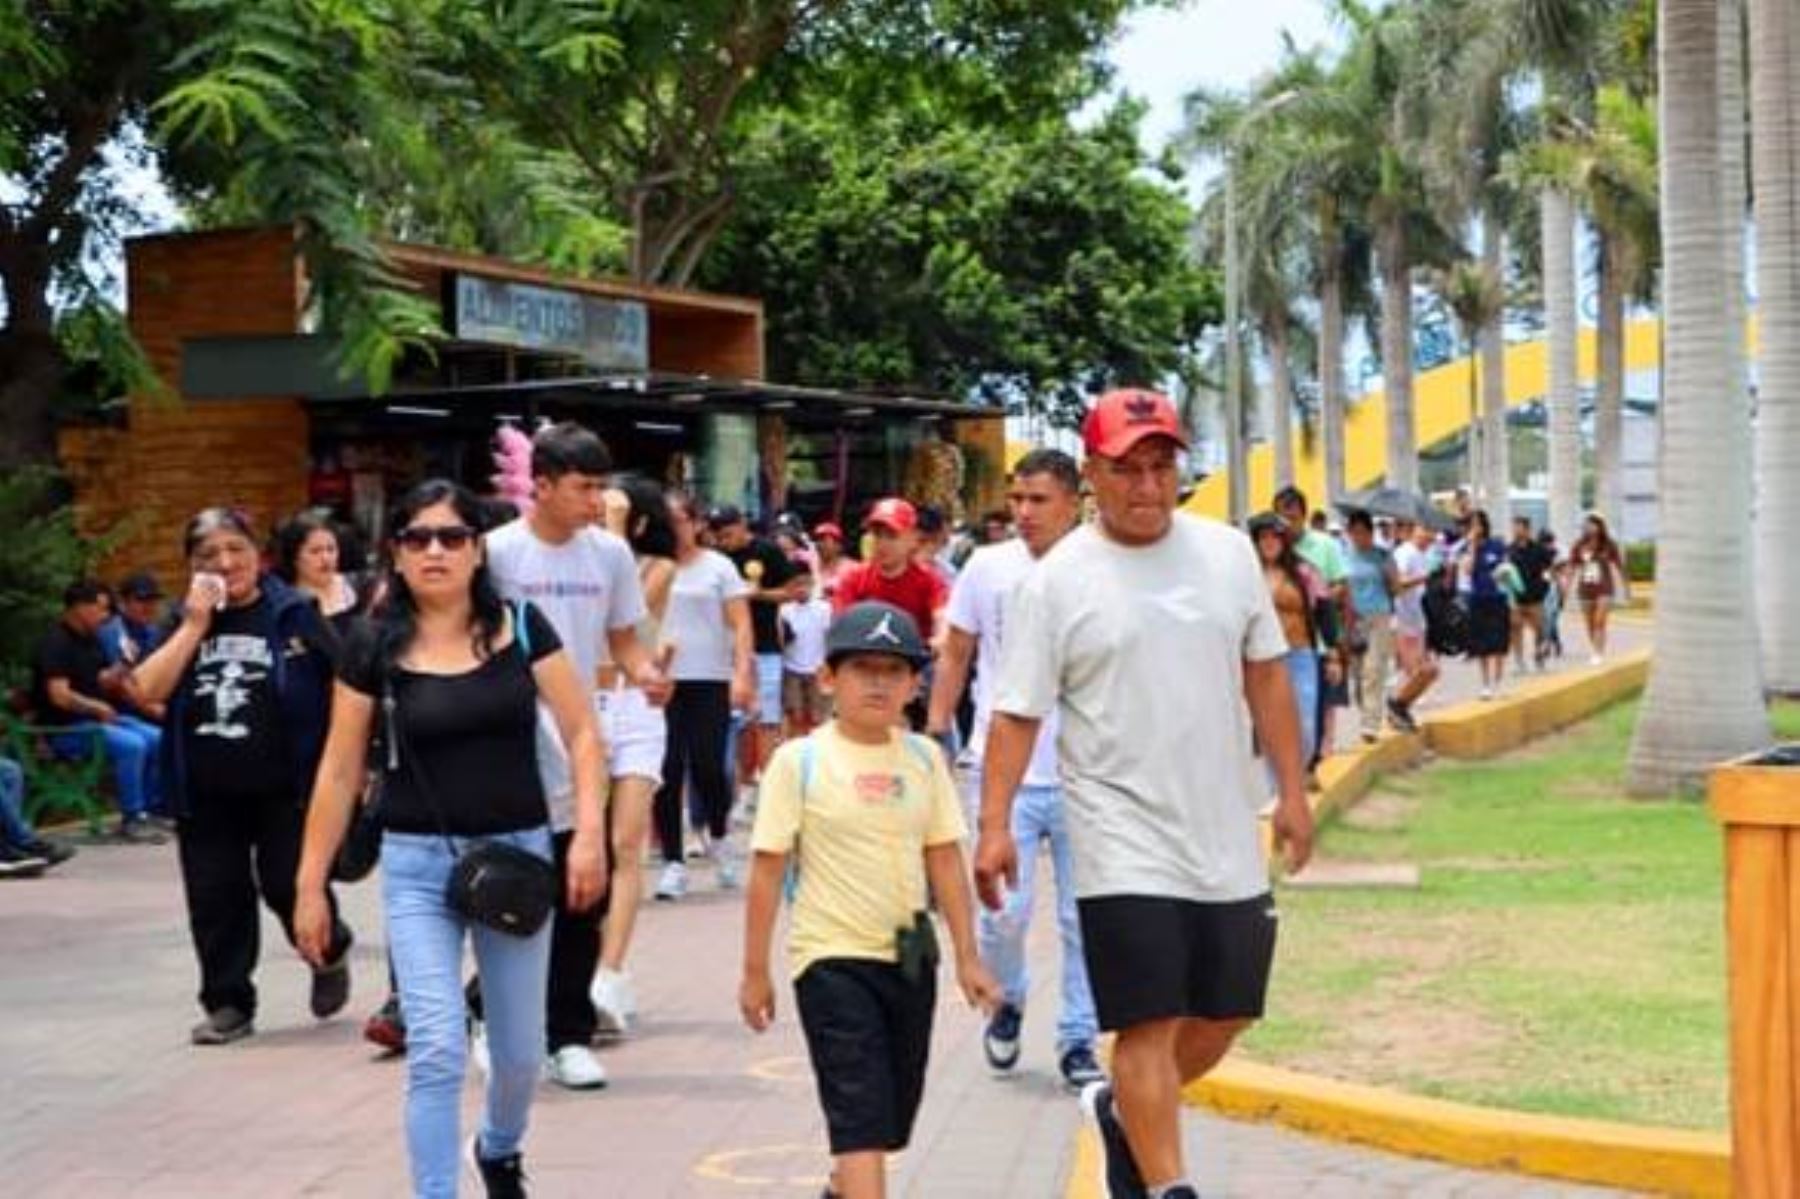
{"type": "Point", "coordinates": [418, 538]}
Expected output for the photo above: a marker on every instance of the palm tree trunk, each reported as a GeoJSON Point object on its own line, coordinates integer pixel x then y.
{"type": "Point", "coordinates": [1331, 346]}
{"type": "Point", "coordinates": [1609, 391]}
{"type": "Point", "coordinates": [1556, 213]}
{"type": "Point", "coordinates": [1496, 468]}
{"type": "Point", "coordinates": [1775, 157]}
{"type": "Point", "coordinates": [1704, 702]}
{"type": "Point", "coordinates": [1280, 396]}
{"type": "Point", "coordinates": [1396, 356]}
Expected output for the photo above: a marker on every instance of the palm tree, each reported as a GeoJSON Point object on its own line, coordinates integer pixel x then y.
{"type": "Point", "coordinates": [1704, 701]}
{"type": "Point", "coordinates": [1475, 297]}
{"type": "Point", "coordinates": [1775, 159]}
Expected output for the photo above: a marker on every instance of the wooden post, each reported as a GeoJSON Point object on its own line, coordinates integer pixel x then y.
{"type": "Point", "coordinates": [1758, 803]}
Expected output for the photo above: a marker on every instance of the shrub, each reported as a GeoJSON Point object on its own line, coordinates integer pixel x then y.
{"type": "Point", "coordinates": [40, 554]}
{"type": "Point", "coordinates": [1640, 561]}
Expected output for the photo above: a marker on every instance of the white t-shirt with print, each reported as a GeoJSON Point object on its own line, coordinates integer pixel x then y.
{"type": "Point", "coordinates": [804, 650]}
{"type": "Point", "coordinates": [695, 621]}
{"type": "Point", "coordinates": [978, 606]}
{"type": "Point", "coordinates": [586, 587]}
{"type": "Point", "coordinates": [1142, 650]}
{"type": "Point", "coordinates": [1411, 562]}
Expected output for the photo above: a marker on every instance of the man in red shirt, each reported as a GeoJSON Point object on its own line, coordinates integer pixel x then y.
{"type": "Point", "coordinates": [891, 575]}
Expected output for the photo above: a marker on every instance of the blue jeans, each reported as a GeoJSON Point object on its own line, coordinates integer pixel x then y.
{"type": "Point", "coordinates": [1303, 676]}
{"type": "Point", "coordinates": [1037, 816]}
{"type": "Point", "coordinates": [131, 747]}
{"type": "Point", "coordinates": [14, 828]}
{"type": "Point", "coordinates": [426, 940]}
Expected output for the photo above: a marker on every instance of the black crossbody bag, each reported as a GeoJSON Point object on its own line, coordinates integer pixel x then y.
{"type": "Point", "coordinates": [501, 886]}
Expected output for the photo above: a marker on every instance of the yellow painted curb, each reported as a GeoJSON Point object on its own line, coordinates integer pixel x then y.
{"type": "Point", "coordinates": [1488, 728]}
{"type": "Point", "coordinates": [1084, 1171]}
{"type": "Point", "coordinates": [1661, 1160]}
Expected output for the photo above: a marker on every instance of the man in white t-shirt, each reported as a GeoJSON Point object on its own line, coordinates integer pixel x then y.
{"type": "Point", "coordinates": [1152, 636]}
{"type": "Point", "coordinates": [585, 582]}
{"type": "Point", "coordinates": [1415, 561]}
{"type": "Point", "coordinates": [1044, 495]}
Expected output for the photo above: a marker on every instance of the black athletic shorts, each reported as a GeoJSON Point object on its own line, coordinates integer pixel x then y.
{"type": "Point", "coordinates": [1152, 957]}
{"type": "Point", "coordinates": [868, 1032]}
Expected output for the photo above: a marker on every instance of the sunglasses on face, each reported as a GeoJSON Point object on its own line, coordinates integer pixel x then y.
{"type": "Point", "coordinates": [418, 538]}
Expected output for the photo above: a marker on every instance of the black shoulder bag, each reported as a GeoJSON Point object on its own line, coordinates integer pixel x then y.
{"type": "Point", "coordinates": [508, 889]}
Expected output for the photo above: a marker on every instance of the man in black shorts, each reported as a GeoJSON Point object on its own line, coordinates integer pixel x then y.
{"type": "Point", "coordinates": [1152, 634]}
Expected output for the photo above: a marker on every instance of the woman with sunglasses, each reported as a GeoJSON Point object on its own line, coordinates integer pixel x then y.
{"type": "Point", "coordinates": [455, 682]}
{"type": "Point", "coordinates": [247, 677]}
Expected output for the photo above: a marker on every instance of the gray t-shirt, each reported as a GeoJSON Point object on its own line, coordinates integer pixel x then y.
{"type": "Point", "coordinates": [695, 622]}
{"type": "Point", "coordinates": [587, 587]}
{"type": "Point", "coordinates": [1141, 651]}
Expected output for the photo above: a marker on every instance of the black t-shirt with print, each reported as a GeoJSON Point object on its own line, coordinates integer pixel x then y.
{"type": "Point", "coordinates": [234, 739]}
{"type": "Point", "coordinates": [764, 567]}
{"type": "Point", "coordinates": [66, 654]}
{"type": "Point", "coordinates": [475, 732]}
{"type": "Point", "coordinates": [1533, 561]}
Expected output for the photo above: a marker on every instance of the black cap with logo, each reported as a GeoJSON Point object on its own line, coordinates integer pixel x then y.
{"type": "Point", "coordinates": [873, 627]}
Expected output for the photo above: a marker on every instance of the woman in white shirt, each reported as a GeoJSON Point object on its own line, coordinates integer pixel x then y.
{"type": "Point", "coordinates": [707, 624]}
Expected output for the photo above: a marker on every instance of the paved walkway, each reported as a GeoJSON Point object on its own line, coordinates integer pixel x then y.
{"type": "Point", "coordinates": [106, 1098]}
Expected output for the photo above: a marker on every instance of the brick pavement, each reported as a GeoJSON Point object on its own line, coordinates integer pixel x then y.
{"type": "Point", "coordinates": [106, 1098]}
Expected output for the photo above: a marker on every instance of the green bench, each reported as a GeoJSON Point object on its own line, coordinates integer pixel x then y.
{"type": "Point", "coordinates": [56, 785]}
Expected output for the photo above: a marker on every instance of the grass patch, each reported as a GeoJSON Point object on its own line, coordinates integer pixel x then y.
{"type": "Point", "coordinates": [1563, 954]}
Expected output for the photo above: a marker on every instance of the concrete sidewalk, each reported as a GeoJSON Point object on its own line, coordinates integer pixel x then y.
{"type": "Point", "coordinates": [106, 1097]}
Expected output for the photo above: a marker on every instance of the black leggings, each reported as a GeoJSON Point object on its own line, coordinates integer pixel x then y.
{"type": "Point", "coordinates": [699, 719]}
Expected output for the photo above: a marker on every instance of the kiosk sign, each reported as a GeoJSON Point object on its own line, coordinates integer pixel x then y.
{"type": "Point", "coordinates": [612, 334]}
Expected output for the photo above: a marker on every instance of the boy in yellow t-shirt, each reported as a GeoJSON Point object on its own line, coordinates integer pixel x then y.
{"type": "Point", "coordinates": [873, 818]}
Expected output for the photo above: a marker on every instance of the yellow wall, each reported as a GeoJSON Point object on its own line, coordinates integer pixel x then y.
{"type": "Point", "coordinates": [1442, 400]}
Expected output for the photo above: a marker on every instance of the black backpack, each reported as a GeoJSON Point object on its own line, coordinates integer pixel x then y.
{"type": "Point", "coordinates": [1446, 615]}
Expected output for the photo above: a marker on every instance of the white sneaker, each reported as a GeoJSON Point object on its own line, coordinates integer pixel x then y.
{"type": "Point", "coordinates": [613, 1002]}
{"type": "Point", "coordinates": [1487, 693]}
{"type": "Point", "coordinates": [575, 1067]}
{"type": "Point", "coordinates": [731, 865]}
{"type": "Point", "coordinates": [1595, 660]}
{"type": "Point", "coordinates": [672, 884]}
{"type": "Point", "coordinates": [478, 1047]}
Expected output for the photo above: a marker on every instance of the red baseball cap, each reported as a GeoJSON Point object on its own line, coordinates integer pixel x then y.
{"type": "Point", "coordinates": [894, 513]}
{"type": "Point", "coordinates": [827, 528]}
{"type": "Point", "coordinates": [1121, 419]}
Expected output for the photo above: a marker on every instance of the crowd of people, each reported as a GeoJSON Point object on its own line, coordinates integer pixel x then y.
{"type": "Point", "coordinates": [516, 701]}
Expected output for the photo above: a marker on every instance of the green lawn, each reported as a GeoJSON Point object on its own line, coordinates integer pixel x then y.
{"type": "Point", "coordinates": [1563, 953]}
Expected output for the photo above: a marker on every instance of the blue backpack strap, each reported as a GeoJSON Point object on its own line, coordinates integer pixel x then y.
{"type": "Point", "coordinates": [521, 630]}
{"type": "Point", "coordinates": [808, 756]}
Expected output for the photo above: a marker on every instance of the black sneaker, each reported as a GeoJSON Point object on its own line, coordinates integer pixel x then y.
{"type": "Point", "coordinates": [222, 1027]}
{"type": "Point", "coordinates": [1119, 1177]}
{"type": "Point", "coordinates": [1402, 716]}
{"type": "Point", "coordinates": [1080, 1067]}
{"type": "Point", "coordinates": [504, 1177]}
{"type": "Point", "coordinates": [21, 863]}
{"type": "Point", "coordinates": [1001, 1040]}
{"type": "Point", "coordinates": [53, 852]}
{"type": "Point", "coordinates": [331, 987]}
{"type": "Point", "coordinates": [1182, 1191]}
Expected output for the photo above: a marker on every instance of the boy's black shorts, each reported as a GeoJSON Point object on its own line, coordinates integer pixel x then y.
{"type": "Point", "coordinates": [1153, 957]}
{"type": "Point", "coordinates": [868, 1032]}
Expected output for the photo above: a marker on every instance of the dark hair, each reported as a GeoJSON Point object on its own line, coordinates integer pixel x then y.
{"type": "Point", "coordinates": [208, 521]}
{"type": "Point", "coordinates": [1290, 495]}
{"type": "Point", "coordinates": [1522, 522]}
{"type": "Point", "coordinates": [931, 519]}
{"type": "Point", "coordinates": [1480, 517]}
{"type": "Point", "coordinates": [568, 449]}
{"type": "Point", "coordinates": [399, 614]}
{"type": "Point", "coordinates": [291, 537]}
{"type": "Point", "coordinates": [1288, 561]}
{"type": "Point", "coordinates": [1359, 520]}
{"type": "Point", "coordinates": [1055, 463]}
{"type": "Point", "coordinates": [84, 591]}
{"type": "Point", "coordinates": [1604, 542]}
{"type": "Point", "coordinates": [648, 528]}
